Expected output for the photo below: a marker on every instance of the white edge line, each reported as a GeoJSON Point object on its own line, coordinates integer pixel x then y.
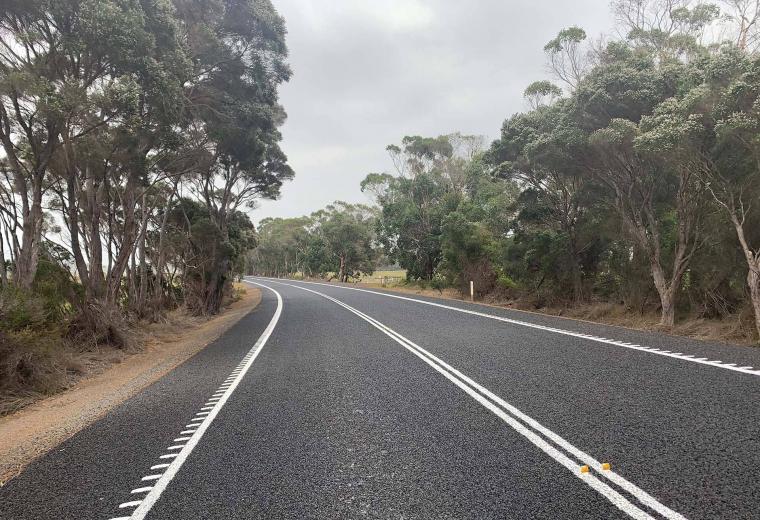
{"type": "Point", "coordinates": [161, 484]}
{"type": "Point", "coordinates": [682, 357]}
{"type": "Point", "coordinates": [612, 495]}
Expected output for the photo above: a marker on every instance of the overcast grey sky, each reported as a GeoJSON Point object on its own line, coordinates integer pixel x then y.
{"type": "Point", "coordinates": [368, 72]}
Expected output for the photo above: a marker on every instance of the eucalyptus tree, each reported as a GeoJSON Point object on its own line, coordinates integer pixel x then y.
{"type": "Point", "coordinates": [344, 238]}
{"type": "Point", "coordinates": [666, 29]}
{"type": "Point", "coordinates": [238, 52]}
{"type": "Point", "coordinates": [541, 93]}
{"type": "Point", "coordinates": [80, 83]}
{"type": "Point", "coordinates": [735, 182]}
{"type": "Point", "coordinates": [283, 246]}
{"type": "Point", "coordinates": [568, 59]}
{"type": "Point", "coordinates": [541, 152]}
{"type": "Point", "coordinates": [431, 180]}
{"type": "Point", "coordinates": [712, 133]}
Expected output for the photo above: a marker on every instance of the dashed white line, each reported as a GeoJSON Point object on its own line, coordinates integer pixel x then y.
{"type": "Point", "coordinates": [163, 480]}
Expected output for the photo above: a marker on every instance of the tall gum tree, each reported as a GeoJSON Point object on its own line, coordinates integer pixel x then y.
{"type": "Point", "coordinates": [239, 60]}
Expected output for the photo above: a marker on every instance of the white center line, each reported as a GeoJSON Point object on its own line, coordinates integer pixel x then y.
{"type": "Point", "coordinates": [674, 355]}
{"type": "Point", "coordinates": [531, 429]}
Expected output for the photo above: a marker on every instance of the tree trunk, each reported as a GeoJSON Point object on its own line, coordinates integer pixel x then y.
{"type": "Point", "coordinates": [142, 295]}
{"type": "Point", "coordinates": [121, 261]}
{"type": "Point", "coordinates": [753, 264]}
{"type": "Point", "coordinates": [667, 295]}
{"type": "Point", "coordinates": [576, 275]}
{"type": "Point", "coordinates": [753, 281]}
{"type": "Point", "coordinates": [158, 286]}
{"type": "Point", "coordinates": [28, 255]}
{"type": "Point", "coordinates": [3, 272]}
{"type": "Point", "coordinates": [342, 269]}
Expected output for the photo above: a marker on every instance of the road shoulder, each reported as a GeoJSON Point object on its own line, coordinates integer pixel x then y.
{"type": "Point", "coordinates": [33, 431]}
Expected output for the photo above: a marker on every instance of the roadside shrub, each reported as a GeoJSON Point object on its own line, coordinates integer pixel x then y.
{"type": "Point", "coordinates": [504, 282]}
{"type": "Point", "coordinates": [98, 324]}
{"type": "Point", "coordinates": [481, 273]}
{"type": "Point", "coordinates": [438, 282]}
{"type": "Point", "coordinates": [20, 310]}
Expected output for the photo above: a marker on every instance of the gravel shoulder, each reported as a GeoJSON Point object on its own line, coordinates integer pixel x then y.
{"type": "Point", "coordinates": [33, 431]}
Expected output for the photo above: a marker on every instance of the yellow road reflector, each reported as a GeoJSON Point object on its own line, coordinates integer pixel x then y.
{"type": "Point", "coordinates": [606, 466]}
{"type": "Point", "coordinates": [584, 469]}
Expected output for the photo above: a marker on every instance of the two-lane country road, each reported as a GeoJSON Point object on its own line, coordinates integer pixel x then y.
{"type": "Point", "coordinates": [331, 401]}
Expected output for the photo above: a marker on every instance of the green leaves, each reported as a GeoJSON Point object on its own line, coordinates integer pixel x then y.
{"type": "Point", "coordinates": [565, 38]}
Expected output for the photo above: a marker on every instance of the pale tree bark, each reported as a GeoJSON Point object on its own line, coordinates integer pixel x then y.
{"type": "Point", "coordinates": [730, 194]}
{"type": "Point", "coordinates": [3, 272]}
{"type": "Point", "coordinates": [142, 294]}
{"type": "Point", "coordinates": [128, 240]}
{"type": "Point", "coordinates": [645, 230]}
{"type": "Point", "coordinates": [158, 286]}
{"type": "Point", "coordinates": [342, 270]}
{"type": "Point", "coordinates": [28, 177]}
{"type": "Point", "coordinates": [753, 265]}
{"type": "Point", "coordinates": [633, 201]}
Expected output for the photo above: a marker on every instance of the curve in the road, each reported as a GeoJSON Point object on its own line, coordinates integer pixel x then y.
{"type": "Point", "coordinates": [651, 350]}
{"type": "Point", "coordinates": [568, 455]}
{"type": "Point", "coordinates": [163, 473]}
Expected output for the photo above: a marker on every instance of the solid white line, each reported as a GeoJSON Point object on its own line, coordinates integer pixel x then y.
{"type": "Point", "coordinates": [479, 393]}
{"type": "Point", "coordinates": [683, 357]}
{"type": "Point", "coordinates": [164, 480]}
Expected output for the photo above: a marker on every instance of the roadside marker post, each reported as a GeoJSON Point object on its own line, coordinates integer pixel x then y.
{"type": "Point", "coordinates": [472, 291]}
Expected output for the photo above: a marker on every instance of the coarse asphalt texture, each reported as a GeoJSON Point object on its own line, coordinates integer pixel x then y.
{"type": "Point", "coordinates": [338, 419]}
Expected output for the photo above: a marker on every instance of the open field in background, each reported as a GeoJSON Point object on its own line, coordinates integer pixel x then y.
{"type": "Point", "coordinates": [390, 278]}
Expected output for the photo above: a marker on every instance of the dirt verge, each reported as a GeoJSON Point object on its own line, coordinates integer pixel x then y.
{"type": "Point", "coordinates": [27, 434]}
{"type": "Point", "coordinates": [737, 330]}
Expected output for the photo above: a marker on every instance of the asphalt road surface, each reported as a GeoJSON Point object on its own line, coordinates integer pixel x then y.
{"type": "Point", "coordinates": [336, 402]}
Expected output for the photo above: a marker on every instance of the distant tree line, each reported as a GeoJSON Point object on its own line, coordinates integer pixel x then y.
{"type": "Point", "coordinates": [636, 179]}
{"type": "Point", "coordinates": [336, 242]}
{"type": "Point", "coordinates": [134, 134]}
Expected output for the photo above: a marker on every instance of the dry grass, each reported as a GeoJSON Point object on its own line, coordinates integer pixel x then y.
{"type": "Point", "coordinates": [110, 376]}
{"type": "Point", "coordinates": [35, 364]}
{"type": "Point", "coordinates": [737, 329]}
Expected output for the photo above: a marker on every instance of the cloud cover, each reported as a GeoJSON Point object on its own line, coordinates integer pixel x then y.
{"type": "Point", "coordinates": [366, 73]}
